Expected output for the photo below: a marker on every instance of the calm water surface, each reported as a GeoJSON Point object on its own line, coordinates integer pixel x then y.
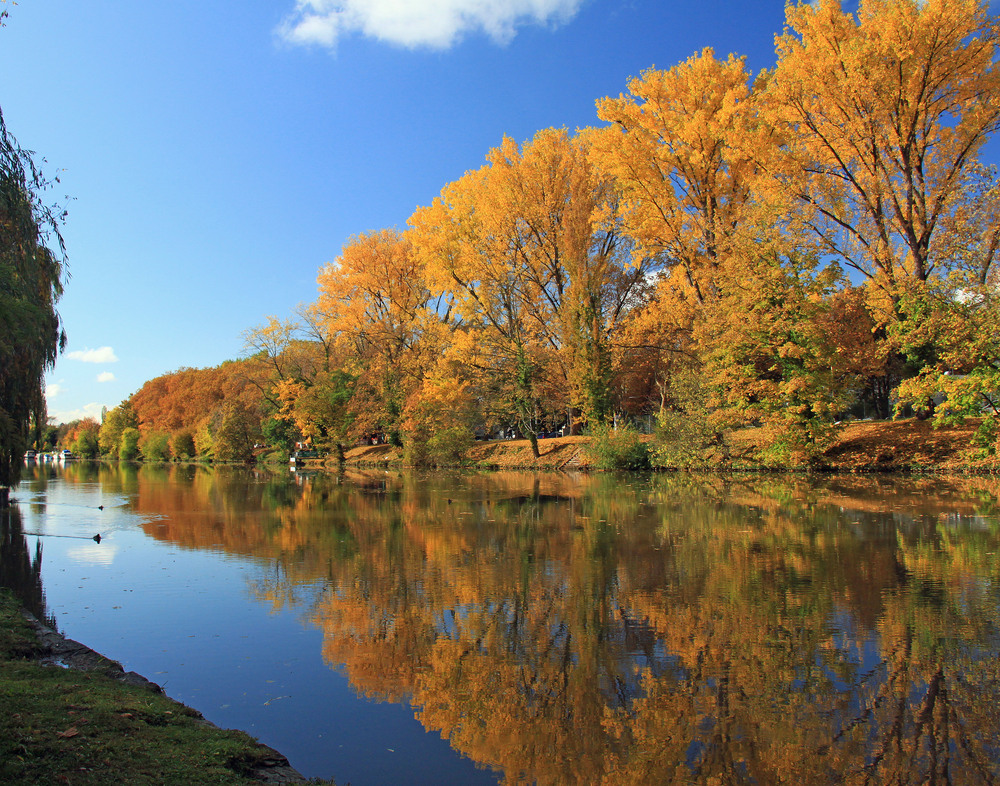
{"type": "Point", "coordinates": [442, 628]}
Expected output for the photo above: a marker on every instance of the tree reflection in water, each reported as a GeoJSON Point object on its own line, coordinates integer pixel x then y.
{"type": "Point", "coordinates": [639, 630]}
{"type": "Point", "coordinates": [21, 567]}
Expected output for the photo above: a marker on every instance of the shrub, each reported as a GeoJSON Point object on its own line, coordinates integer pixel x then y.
{"type": "Point", "coordinates": [155, 446]}
{"type": "Point", "coordinates": [619, 448]}
{"type": "Point", "coordinates": [182, 445]}
{"type": "Point", "coordinates": [85, 445]}
{"type": "Point", "coordinates": [437, 421]}
{"type": "Point", "coordinates": [687, 435]}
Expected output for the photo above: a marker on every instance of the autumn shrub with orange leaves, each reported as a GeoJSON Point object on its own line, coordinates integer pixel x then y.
{"type": "Point", "coordinates": [438, 420]}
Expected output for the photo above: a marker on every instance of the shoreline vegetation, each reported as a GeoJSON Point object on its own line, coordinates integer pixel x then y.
{"type": "Point", "coordinates": [898, 446]}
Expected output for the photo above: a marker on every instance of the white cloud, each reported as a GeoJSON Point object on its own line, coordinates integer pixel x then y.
{"type": "Point", "coordinates": [435, 24]}
{"type": "Point", "coordinates": [105, 376]}
{"type": "Point", "coordinates": [53, 389]}
{"type": "Point", "coordinates": [102, 355]}
{"type": "Point", "coordinates": [92, 410]}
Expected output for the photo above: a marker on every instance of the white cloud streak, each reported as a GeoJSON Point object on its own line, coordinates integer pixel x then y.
{"type": "Point", "coordinates": [414, 24]}
{"type": "Point", "coordinates": [92, 410]}
{"type": "Point", "coordinates": [101, 355]}
{"type": "Point", "coordinates": [105, 376]}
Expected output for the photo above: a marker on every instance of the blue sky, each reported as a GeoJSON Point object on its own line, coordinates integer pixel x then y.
{"type": "Point", "coordinates": [217, 154]}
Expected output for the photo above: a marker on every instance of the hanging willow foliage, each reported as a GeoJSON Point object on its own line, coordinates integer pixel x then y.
{"type": "Point", "coordinates": [31, 277]}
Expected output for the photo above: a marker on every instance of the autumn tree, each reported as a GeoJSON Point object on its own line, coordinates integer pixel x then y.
{"type": "Point", "coordinates": [277, 352]}
{"type": "Point", "coordinates": [530, 249]}
{"type": "Point", "coordinates": [949, 325]}
{"type": "Point", "coordinates": [770, 359]}
{"type": "Point", "coordinates": [439, 417]}
{"type": "Point", "coordinates": [196, 400]}
{"type": "Point", "coordinates": [880, 118]}
{"type": "Point", "coordinates": [31, 277]}
{"type": "Point", "coordinates": [675, 148]}
{"type": "Point", "coordinates": [462, 243]}
{"type": "Point", "coordinates": [319, 408]}
{"type": "Point", "coordinates": [82, 438]}
{"type": "Point", "coordinates": [237, 432]}
{"type": "Point", "coordinates": [375, 300]}
{"type": "Point", "coordinates": [182, 445]}
{"type": "Point", "coordinates": [965, 366]}
{"type": "Point", "coordinates": [303, 379]}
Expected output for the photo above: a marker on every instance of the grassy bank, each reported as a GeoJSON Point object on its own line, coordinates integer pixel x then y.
{"type": "Point", "coordinates": [908, 445]}
{"type": "Point", "coordinates": [72, 726]}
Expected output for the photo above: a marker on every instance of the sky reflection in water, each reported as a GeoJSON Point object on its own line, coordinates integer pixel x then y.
{"type": "Point", "coordinates": [551, 628]}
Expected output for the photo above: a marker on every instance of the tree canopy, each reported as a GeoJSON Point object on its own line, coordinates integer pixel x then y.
{"type": "Point", "coordinates": [31, 279]}
{"type": "Point", "coordinates": [776, 250]}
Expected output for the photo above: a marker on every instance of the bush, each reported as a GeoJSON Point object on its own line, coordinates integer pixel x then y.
{"type": "Point", "coordinates": [85, 445]}
{"type": "Point", "coordinates": [155, 446]}
{"type": "Point", "coordinates": [182, 445]}
{"type": "Point", "coordinates": [204, 440]}
{"type": "Point", "coordinates": [437, 425]}
{"type": "Point", "coordinates": [687, 435]}
{"type": "Point", "coordinates": [237, 434]}
{"type": "Point", "coordinates": [619, 448]}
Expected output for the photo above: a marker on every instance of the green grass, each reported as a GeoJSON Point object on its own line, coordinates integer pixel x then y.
{"type": "Point", "coordinates": [63, 726]}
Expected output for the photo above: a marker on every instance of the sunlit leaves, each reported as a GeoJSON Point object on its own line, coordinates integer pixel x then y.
{"type": "Point", "coordinates": [881, 118]}
{"type": "Point", "coordinates": [675, 151]}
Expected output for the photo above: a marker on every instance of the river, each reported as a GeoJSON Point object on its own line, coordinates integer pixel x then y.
{"type": "Point", "coordinates": [385, 627]}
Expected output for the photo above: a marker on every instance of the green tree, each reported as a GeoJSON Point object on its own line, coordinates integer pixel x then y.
{"type": "Point", "coordinates": [49, 438]}
{"type": "Point", "coordinates": [770, 357]}
{"type": "Point", "coordinates": [115, 422]}
{"type": "Point", "coordinates": [86, 443]}
{"type": "Point", "coordinates": [155, 446]}
{"type": "Point", "coordinates": [128, 446]}
{"type": "Point", "coordinates": [279, 433]}
{"type": "Point", "coordinates": [238, 433]}
{"type": "Point", "coordinates": [31, 334]}
{"type": "Point", "coordinates": [182, 444]}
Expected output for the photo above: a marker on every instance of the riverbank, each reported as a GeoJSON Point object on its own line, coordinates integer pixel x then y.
{"type": "Point", "coordinates": [69, 715]}
{"type": "Point", "coordinates": [907, 445]}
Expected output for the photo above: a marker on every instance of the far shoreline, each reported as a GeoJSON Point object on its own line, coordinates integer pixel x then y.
{"type": "Point", "coordinates": [906, 447]}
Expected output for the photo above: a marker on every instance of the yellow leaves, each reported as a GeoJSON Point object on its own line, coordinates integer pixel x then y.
{"type": "Point", "coordinates": [674, 153]}
{"type": "Point", "coordinates": [884, 115]}
{"type": "Point", "coordinates": [523, 248]}
{"type": "Point", "coordinates": [438, 417]}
